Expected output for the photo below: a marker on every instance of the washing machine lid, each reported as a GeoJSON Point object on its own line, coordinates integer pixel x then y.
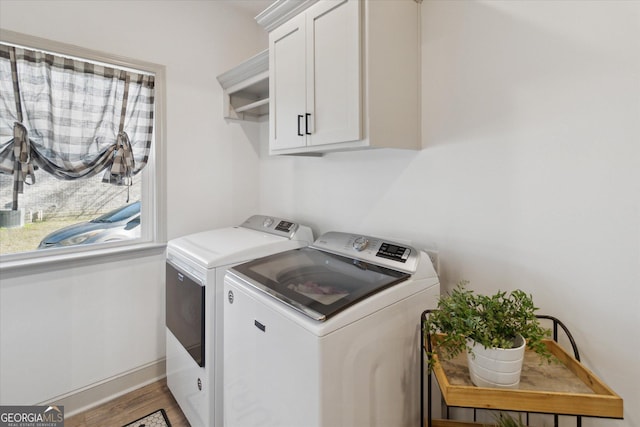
{"type": "Point", "coordinates": [317, 283]}
{"type": "Point", "coordinates": [257, 236]}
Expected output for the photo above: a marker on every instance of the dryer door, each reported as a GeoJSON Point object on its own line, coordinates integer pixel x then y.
{"type": "Point", "coordinates": [185, 305]}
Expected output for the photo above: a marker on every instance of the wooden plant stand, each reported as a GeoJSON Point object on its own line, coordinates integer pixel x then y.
{"type": "Point", "coordinates": [565, 388]}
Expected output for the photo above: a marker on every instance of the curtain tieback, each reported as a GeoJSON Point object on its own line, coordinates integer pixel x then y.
{"type": "Point", "coordinates": [121, 170]}
{"type": "Point", "coordinates": [23, 169]}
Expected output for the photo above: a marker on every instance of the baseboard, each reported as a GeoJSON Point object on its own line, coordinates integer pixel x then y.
{"type": "Point", "coordinates": [98, 393]}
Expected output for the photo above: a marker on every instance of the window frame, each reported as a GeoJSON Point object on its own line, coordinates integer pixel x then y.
{"type": "Point", "coordinates": [153, 210]}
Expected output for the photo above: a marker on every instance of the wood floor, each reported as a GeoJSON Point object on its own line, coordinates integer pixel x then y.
{"type": "Point", "coordinates": [130, 407]}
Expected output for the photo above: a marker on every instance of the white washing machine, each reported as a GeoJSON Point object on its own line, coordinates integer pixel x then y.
{"type": "Point", "coordinates": [327, 335]}
{"type": "Point", "coordinates": [196, 265]}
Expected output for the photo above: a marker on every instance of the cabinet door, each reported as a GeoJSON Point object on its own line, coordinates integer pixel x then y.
{"type": "Point", "coordinates": [333, 72]}
{"type": "Point", "coordinates": [287, 85]}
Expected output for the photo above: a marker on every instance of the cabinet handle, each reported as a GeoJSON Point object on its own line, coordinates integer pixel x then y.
{"type": "Point", "coordinates": [299, 117]}
{"type": "Point", "coordinates": [306, 123]}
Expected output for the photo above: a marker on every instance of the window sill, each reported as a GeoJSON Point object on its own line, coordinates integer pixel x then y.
{"type": "Point", "coordinates": [60, 260]}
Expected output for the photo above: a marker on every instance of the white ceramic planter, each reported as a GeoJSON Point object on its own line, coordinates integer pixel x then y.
{"type": "Point", "coordinates": [496, 367]}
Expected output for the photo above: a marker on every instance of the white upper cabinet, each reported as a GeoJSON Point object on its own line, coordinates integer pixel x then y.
{"type": "Point", "coordinates": [315, 77]}
{"type": "Point", "coordinates": [343, 74]}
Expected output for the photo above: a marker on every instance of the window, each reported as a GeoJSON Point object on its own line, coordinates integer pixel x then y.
{"type": "Point", "coordinates": [80, 150]}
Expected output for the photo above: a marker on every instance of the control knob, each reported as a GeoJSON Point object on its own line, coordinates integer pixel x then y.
{"type": "Point", "coordinates": [267, 222]}
{"type": "Point", "coordinates": [360, 243]}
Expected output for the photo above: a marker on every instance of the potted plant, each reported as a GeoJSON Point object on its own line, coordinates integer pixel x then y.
{"type": "Point", "coordinates": [506, 420]}
{"type": "Point", "coordinates": [491, 329]}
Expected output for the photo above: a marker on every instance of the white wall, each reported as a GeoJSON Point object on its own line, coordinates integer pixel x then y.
{"type": "Point", "coordinates": [66, 328]}
{"type": "Point", "coordinates": [530, 172]}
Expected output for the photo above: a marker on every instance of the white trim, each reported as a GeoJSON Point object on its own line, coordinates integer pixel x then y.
{"type": "Point", "coordinates": [64, 258]}
{"type": "Point", "coordinates": [57, 48]}
{"type": "Point", "coordinates": [103, 391]}
{"type": "Point", "coordinates": [281, 11]}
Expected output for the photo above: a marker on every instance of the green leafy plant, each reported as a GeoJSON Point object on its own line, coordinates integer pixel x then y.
{"type": "Point", "coordinates": [506, 420]}
{"type": "Point", "coordinates": [490, 320]}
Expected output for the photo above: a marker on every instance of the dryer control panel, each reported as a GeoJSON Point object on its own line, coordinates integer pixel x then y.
{"type": "Point", "coordinates": [397, 256]}
{"type": "Point", "coordinates": [272, 225]}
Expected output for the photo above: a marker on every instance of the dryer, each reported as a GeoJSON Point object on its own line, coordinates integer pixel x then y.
{"type": "Point", "coordinates": [195, 269]}
{"type": "Point", "coordinates": [327, 335]}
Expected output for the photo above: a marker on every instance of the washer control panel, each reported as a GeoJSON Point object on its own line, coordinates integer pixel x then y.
{"type": "Point", "coordinates": [375, 250]}
{"type": "Point", "coordinates": [395, 252]}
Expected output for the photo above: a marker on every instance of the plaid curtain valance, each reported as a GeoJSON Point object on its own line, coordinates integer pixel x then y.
{"type": "Point", "coordinates": [71, 118]}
